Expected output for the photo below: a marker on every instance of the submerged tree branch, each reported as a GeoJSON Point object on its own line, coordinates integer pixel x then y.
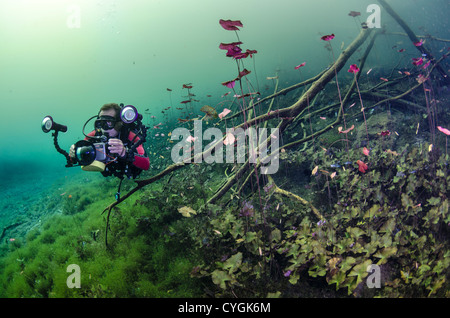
{"type": "Point", "coordinates": [295, 197]}
{"type": "Point", "coordinates": [286, 115]}
{"type": "Point", "coordinates": [412, 36]}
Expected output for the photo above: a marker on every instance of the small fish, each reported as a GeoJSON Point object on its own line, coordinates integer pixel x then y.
{"type": "Point", "coordinates": [384, 79]}
{"type": "Point", "coordinates": [354, 13]}
{"type": "Point", "coordinates": [314, 171]}
{"type": "Point", "coordinates": [368, 71]}
{"type": "Point", "coordinates": [301, 65]}
{"type": "Point", "coordinates": [335, 165]}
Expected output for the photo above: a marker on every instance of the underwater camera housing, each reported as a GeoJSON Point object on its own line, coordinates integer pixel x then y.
{"type": "Point", "coordinates": [92, 154]}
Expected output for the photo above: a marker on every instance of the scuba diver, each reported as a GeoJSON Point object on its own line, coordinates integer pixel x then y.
{"type": "Point", "coordinates": [118, 145]}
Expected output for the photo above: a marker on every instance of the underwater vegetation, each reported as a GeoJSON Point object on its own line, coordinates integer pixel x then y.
{"type": "Point", "coordinates": [145, 259]}
{"type": "Point", "coordinates": [358, 193]}
{"type": "Point", "coordinates": [395, 215]}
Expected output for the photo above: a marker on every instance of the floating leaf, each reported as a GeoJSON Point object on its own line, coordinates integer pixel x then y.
{"type": "Point", "coordinates": [388, 227]}
{"type": "Point", "coordinates": [385, 240]}
{"type": "Point", "coordinates": [443, 208]}
{"type": "Point", "coordinates": [220, 277]}
{"type": "Point", "coordinates": [360, 271]}
{"type": "Point", "coordinates": [337, 279]}
{"type": "Point", "coordinates": [276, 235]}
{"type": "Point", "coordinates": [437, 285]}
{"type": "Point", "coordinates": [373, 211]}
{"type": "Point", "coordinates": [294, 278]}
{"type": "Point", "coordinates": [355, 232]}
{"type": "Point", "coordinates": [274, 295]}
{"type": "Point", "coordinates": [347, 263]}
{"type": "Point", "coordinates": [209, 111]}
{"type": "Point", "coordinates": [384, 254]}
{"type": "Point", "coordinates": [423, 269]}
{"type": "Point", "coordinates": [434, 201]}
{"type": "Point", "coordinates": [405, 276]}
{"type": "Point", "coordinates": [250, 236]}
{"type": "Point", "coordinates": [333, 262]}
{"type": "Point", "coordinates": [406, 201]}
{"type": "Point", "coordinates": [187, 211]}
{"type": "Point", "coordinates": [233, 263]}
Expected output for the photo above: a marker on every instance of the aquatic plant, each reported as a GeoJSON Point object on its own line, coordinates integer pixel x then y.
{"type": "Point", "coordinates": [354, 69]}
{"type": "Point", "coordinates": [328, 38]}
{"type": "Point", "coordinates": [373, 224]}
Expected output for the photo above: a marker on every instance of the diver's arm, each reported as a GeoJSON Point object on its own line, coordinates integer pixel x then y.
{"type": "Point", "coordinates": [139, 157]}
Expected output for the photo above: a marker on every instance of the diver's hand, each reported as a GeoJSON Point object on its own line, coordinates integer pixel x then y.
{"type": "Point", "coordinates": [116, 146]}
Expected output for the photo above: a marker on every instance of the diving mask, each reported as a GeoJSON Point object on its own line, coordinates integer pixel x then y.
{"type": "Point", "coordinates": [105, 122]}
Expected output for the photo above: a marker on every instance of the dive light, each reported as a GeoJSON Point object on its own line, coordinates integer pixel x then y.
{"type": "Point", "coordinates": [129, 114]}
{"type": "Point", "coordinates": [49, 124]}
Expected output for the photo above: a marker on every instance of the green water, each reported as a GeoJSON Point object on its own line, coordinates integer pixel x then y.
{"type": "Point", "coordinates": [68, 58]}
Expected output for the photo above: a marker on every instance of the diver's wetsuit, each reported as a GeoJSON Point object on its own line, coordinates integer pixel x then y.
{"type": "Point", "coordinates": [139, 161]}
